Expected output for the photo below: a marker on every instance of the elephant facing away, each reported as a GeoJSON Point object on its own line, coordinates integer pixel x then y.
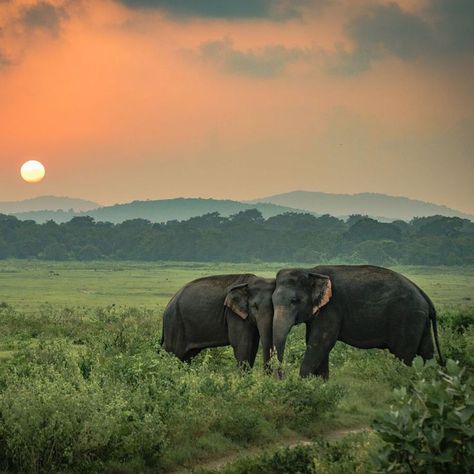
{"type": "Point", "coordinates": [221, 310]}
{"type": "Point", "coordinates": [364, 306]}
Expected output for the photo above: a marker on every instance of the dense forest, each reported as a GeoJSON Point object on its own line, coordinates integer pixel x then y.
{"type": "Point", "coordinates": [246, 236]}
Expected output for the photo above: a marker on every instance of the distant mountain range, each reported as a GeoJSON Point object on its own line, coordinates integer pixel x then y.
{"type": "Point", "coordinates": [379, 206]}
{"type": "Point", "coordinates": [46, 203]}
{"type": "Point", "coordinates": [372, 204]}
{"type": "Point", "coordinates": [158, 211]}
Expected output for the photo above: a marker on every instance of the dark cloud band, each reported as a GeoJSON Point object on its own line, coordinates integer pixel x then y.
{"type": "Point", "coordinates": [445, 30]}
{"type": "Point", "coordinates": [226, 9]}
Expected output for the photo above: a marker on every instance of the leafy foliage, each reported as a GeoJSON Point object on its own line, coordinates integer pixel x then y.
{"type": "Point", "coordinates": [94, 393]}
{"type": "Point", "coordinates": [88, 390]}
{"type": "Point", "coordinates": [430, 428]}
{"type": "Point", "coordinates": [352, 454]}
{"type": "Point", "coordinates": [245, 236]}
{"type": "Point", "coordinates": [298, 460]}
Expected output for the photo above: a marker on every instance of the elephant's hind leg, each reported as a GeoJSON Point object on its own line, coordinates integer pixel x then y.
{"type": "Point", "coordinates": [190, 354]}
{"type": "Point", "coordinates": [173, 336]}
{"type": "Point", "coordinates": [409, 337]}
{"type": "Point", "coordinates": [426, 347]}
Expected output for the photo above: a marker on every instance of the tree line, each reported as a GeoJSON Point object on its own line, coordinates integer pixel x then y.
{"type": "Point", "coordinates": [244, 237]}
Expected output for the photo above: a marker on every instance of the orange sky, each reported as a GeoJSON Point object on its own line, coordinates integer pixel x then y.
{"type": "Point", "coordinates": [121, 100]}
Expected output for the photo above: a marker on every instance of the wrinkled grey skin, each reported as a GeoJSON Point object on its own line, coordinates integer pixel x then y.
{"type": "Point", "coordinates": [218, 311]}
{"type": "Point", "coordinates": [370, 307]}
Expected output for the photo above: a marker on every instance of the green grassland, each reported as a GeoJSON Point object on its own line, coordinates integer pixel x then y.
{"type": "Point", "coordinates": [28, 284]}
{"type": "Point", "coordinates": [84, 387]}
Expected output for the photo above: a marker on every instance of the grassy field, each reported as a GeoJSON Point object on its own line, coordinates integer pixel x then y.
{"type": "Point", "coordinates": [29, 284]}
{"type": "Point", "coordinates": [79, 363]}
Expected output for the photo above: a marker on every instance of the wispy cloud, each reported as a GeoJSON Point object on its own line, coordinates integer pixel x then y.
{"type": "Point", "coordinates": [43, 15]}
{"type": "Point", "coordinates": [4, 61]}
{"type": "Point", "coordinates": [269, 61]}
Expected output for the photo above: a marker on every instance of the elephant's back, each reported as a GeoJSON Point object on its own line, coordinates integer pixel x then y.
{"type": "Point", "coordinates": [204, 297]}
{"type": "Point", "coordinates": [212, 286]}
{"type": "Point", "coordinates": [370, 284]}
{"type": "Point", "coordinates": [363, 275]}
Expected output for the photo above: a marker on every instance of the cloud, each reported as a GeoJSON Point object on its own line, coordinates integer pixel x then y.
{"type": "Point", "coordinates": [227, 9]}
{"type": "Point", "coordinates": [43, 15]}
{"type": "Point", "coordinates": [21, 23]}
{"type": "Point", "coordinates": [454, 25]}
{"type": "Point", "coordinates": [444, 29]}
{"type": "Point", "coordinates": [266, 62]}
{"type": "Point", "coordinates": [4, 61]}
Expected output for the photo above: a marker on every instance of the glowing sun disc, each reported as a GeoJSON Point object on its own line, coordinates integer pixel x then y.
{"type": "Point", "coordinates": [32, 171]}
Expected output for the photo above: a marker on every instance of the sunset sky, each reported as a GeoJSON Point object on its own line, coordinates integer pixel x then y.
{"type": "Point", "coordinates": [143, 99]}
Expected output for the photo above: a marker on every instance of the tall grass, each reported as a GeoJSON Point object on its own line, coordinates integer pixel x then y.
{"type": "Point", "coordinates": [89, 390]}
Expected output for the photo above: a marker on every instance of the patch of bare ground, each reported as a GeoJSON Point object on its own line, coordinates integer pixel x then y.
{"type": "Point", "coordinates": [293, 442]}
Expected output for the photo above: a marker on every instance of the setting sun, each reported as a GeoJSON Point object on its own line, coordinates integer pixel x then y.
{"type": "Point", "coordinates": [32, 171]}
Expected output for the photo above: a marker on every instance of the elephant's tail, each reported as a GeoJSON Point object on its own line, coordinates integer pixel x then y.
{"type": "Point", "coordinates": [162, 340]}
{"type": "Point", "coordinates": [434, 322]}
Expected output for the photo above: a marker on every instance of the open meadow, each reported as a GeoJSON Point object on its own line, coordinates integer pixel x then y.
{"type": "Point", "coordinates": [85, 388]}
{"type": "Point", "coordinates": [27, 285]}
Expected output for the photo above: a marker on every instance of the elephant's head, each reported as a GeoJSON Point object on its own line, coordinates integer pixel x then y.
{"type": "Point", "coordinates": [252, 301]}
{"type": "Point", "coordinates": [297, 298]}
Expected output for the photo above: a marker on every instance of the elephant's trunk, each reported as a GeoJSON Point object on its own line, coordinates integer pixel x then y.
{"type": "Point", "coordinates": [265, 331]}
{"type": "Point", "coordinates": [282, 323]}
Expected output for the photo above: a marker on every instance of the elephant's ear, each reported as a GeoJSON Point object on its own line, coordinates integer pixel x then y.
{"type": "Point", "coordinates": [237, 300]}
{"type": "Point", "coordinates": [322, 291]}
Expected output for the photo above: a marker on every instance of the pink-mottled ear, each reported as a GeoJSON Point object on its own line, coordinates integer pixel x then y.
{"type": "Point", "coordinates": [237, 300]}
{"type": "Point", "coordinates": [322, 291]}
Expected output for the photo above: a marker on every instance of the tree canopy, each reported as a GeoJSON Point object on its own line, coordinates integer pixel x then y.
{"type": "Point", "coordinates": [245, 236]}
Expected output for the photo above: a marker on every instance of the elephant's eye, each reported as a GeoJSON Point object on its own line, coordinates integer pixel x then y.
{"type": "Point", "coordinates": [255, 305]}
{"type": "Point", "coordinates": [294, 301]}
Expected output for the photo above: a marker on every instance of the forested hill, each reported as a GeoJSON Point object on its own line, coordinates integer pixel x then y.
{"type": "Point", "coordinates": [158, 210]}
{"type": "Point", "coordinates": [378, 206]}
{"type": "Point", "coordinates": [372, 204]}
{"type": "Point", "coordinates": [48, 203]}
{"type": "Point", "coordinates": [245, 236]}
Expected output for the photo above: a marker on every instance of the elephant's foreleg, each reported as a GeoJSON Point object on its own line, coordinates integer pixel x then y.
{"type": "Point", "coordinates": [322, 335]}
{"type": "Point", "coordinates": [323, 369]}
{"type": "Point", "coordinates": [244, 339]}
{"type": "Point", "coordinates": [253, 348]}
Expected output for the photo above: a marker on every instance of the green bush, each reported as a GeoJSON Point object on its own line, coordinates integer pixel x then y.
{"type": "Point", "coordinates": [430, 429]}
{"type": "Point", "coordinates": [459, 347]}
{"type": "Point", "coordinates": [52, 418]}
{"type": "Point", "coordinates": [48, 425]}
{"type": "Point", "coordinates": [298, 460]}
{"type": "Point", "coordinates": [349, 455]}
{"type": "Point", "coordinates": [86, 389]}
{"type": "Point", "coordinates": [301, 399]}
{"type": "Point", "coordinates": [457, 319]}
{"type": "Point", "coordinates": [102, 396]}
{"type": "Point", "coordinates": [352, 454]}
{"type": "Point", "coordinates": [370, 364]}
